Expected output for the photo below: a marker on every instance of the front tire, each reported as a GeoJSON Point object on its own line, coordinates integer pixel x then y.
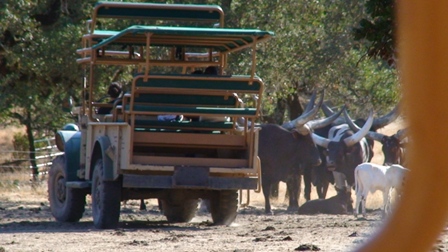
{"type": "Point", "coordinates": [224, 206]}
{"type": "Point", "coordinates": [66, 204]}
{"type": "Point", "coordinates": [106, 198]}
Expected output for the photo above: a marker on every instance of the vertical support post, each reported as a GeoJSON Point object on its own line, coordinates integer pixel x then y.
{"type": "Point", "coordinates": [254, 58]}
{"type": "Point", "coordinates": [148, 54]}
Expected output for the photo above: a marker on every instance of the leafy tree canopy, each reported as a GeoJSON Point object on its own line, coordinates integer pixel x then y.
{"type": "Point", "coordinates": [378, 30]}
{"type": "Point", "coordinates": [314, 48]}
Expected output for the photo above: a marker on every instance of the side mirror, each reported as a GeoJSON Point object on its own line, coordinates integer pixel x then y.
{"type": "Point", "coordinates": [67, 104]}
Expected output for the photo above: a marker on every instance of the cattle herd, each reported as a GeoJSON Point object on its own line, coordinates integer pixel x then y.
{"type": "Point", "coordinates": [331, 150]}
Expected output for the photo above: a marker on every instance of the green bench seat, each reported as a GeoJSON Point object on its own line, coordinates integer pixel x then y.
{"type": "Point", "coordinates": [188, 100]}
{"type": "Point", "coordinates": [190, 96]}
{"type": "Point", "coordinates": [204, 125]}
{"type": "Point", "coordinates": [193, 111]}
{"type": "Point", "coordinates": [201, 84]}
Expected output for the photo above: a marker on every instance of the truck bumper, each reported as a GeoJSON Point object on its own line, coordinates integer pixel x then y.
{"type": "Point", "coordinates": [173, 182]}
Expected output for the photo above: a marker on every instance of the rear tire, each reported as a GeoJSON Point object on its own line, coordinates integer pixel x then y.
{"type": "Point", "coordinates": [224, 206]}
{"type": "Point", "coordinates": [176, 208]}
{"type": "Point", "coordinates": [106, 197]}
{"type": "Point", "coordinates": [66, 204]}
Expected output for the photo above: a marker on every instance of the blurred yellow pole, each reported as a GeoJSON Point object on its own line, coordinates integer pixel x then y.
{"type": "Point", "coordinates": [423, 63]}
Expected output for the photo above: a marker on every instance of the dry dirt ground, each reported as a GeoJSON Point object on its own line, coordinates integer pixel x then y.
{"type": "Point", "coordinates": [26, 224]}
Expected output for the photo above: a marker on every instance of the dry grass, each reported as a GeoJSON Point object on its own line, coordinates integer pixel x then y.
{"type": "Point", "coordinates": [18, 186]}
{"type": "Point", "coordinates": [15, 186]}
{"type": "Point", "coordinates": [6, 140]}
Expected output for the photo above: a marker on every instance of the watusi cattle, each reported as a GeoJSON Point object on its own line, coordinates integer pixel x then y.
{"type": "Point", "coordinates": [282, 151]}
{"type": "Point", "coordinates": [377, 124]}
{"type": "Point", "coordinates": [370, 177]}
{"type": "Point", "coordinates": [393, 146]}
{"type": "Point", "coordinates": [345, 150]}
{"type": "Point", "coordinates": [319, 176]}
{"type": "Point", "coordinates": [341, 203]}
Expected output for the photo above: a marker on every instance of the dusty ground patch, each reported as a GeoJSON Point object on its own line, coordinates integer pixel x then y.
{"type": "Point", "coordinates": [26, 224]}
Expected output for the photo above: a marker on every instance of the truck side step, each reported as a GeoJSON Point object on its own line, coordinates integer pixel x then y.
{"type": "Point", "coordinates": [78, 184]}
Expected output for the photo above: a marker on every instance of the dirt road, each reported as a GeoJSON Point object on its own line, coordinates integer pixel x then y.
{"type": "Point", "coordinates": [26, 224]}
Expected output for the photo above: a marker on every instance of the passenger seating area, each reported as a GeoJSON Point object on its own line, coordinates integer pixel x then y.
{"type": "Point", "coordinates": [210, 141]}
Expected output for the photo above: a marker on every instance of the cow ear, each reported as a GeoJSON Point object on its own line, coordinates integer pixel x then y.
{"type": "Point", "coordinates": [295, 134]}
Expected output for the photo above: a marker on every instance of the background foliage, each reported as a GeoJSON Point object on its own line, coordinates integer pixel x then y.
{"type": "Point", "coordinates": [318, 45]}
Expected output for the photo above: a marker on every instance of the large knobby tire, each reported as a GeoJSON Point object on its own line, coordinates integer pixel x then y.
{"type": "Point", "coordinates": [66, 204]}
{"type": "Point", "coordinates": [106, 198]}
{"type": "Point", "coordinates": [176, 208]}
{"type": "Point", "coordinates": [224, 206]}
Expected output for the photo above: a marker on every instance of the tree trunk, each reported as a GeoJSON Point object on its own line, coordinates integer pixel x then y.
{"type": "Point", "coordinates": [279, 113]}
{"type": "Point", "coordinates": [225, 5]}
{"type": "Point", "coordinates": [32, 148]}
{"type": "Point", "coordinates": [294, 106]}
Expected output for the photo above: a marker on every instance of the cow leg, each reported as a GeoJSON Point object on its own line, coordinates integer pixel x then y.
{"type": "Point", "coordinates": [323, 190]}
{"type": "Point", "coordinates": [320, 181]}
{"type": "Point", "coordinates": [142, 204]}
{"type": "Point", "coordinates": [363, 203]}
{"type": "Point", "coordinates": [327, 179]}
{"type": "Point", "coordinates": [293, 187]}
{"type": "Point", "coordinates": [357, 204]}
{"type": "Point", "coordinates": [386, 201]}
{"type": "Point", "coordinates": [286, 198]}
{"type": "Point", "coordinates": [307, 177]}
{"type": "Point", "coordinates": [339, 179]}
{"type": "Point", "coordinates": [266, 186]}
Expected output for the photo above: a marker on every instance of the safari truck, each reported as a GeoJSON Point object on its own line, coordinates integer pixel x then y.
{"type": "Point", "coordinates": [209, 151]}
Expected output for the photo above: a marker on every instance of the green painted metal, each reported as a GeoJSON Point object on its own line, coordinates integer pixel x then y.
{"type": "Point", "coordinates": [195, 110]}
{"type": "Point", "coordinates": [216, 100]}
{"type": "Point", "coordinates": [226, 83]}
{"type": "Point", "coordinates": [220, 39]}
{"type": "Point", "coordinates": [72, 149]}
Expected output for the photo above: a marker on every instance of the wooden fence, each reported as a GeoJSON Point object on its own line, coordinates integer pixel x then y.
{"type": "Point", "coordinates": [20, 160]}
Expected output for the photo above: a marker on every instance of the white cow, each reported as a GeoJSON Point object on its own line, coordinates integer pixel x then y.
{"type": "Point", "coordinates": [371, 177]}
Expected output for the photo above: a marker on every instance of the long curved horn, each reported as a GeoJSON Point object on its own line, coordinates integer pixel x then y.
{"type": "Point", "coordinates": [320, 123]}
{"type": "Point", "coordinates": [305, 117]}
{"type": "Point", "coordinates": [371, 134]}
{"type": "Point", "coordinates": [310, 104]}
{"type": "Point", "coordinates": [321, 141]}
{"type": "Point", "coordinates": [349, 141]}
{"type": "Point", "coordinates": [381, 122]}
{"type": "Point", "coordinates": [329, 112]}
{"type": "Point", "coordinates": [401, 134]}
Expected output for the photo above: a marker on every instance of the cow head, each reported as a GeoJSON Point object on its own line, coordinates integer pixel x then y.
{"type": "Point", "coordinates": [392, 148]}
{"type": "Point", "coordinates": [391, 144]}
{"type": "Point", "coordinates": [342, 145]}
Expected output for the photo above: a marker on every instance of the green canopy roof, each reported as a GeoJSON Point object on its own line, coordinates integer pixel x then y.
{"type": "Point", "coordinates": [220, 39]}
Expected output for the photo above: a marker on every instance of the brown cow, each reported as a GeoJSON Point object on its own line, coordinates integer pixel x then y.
{"type": "Point", "coordinates": [393, 146]}
{"type": "Point", "coordinates": [342, 203]}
